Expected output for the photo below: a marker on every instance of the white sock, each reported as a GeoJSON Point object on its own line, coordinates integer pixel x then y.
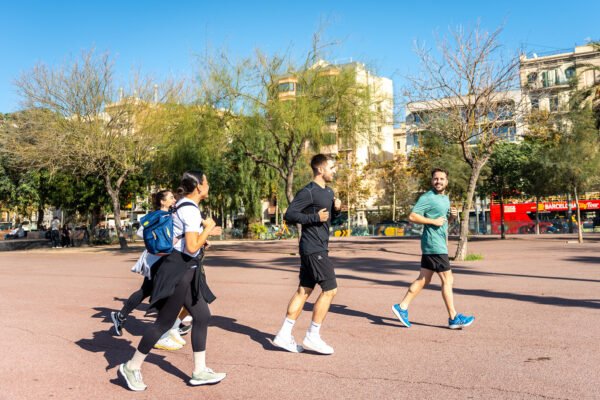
{"type": "Point", "coordinates": [314, 329]}
{"type": "Point", "coordinates": [176, 324]}
{"type": "Point", "coordinates": [199, 361]}
{"type": "Point", "coordinates": [137, 360]}
{"type": "Point", "coordinates": [286, 328]}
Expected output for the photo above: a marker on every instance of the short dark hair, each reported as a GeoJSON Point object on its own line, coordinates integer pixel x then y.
{"type": "Point", "coordinates": [318, 161]}
{"type": "Point", "coordinates": [433, 171]}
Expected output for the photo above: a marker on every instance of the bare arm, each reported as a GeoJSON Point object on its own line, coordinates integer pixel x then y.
{"type": "Point", "coordinates": [194, 240]}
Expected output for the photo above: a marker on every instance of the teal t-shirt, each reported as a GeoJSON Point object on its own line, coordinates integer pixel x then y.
{"type": "Point", "coordinates": [433, 205]}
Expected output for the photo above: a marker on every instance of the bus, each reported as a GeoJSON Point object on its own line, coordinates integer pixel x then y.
{"type": "Point", "coordinates": [519, 217]}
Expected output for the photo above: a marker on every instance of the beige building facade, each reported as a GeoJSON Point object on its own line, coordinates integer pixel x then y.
{"type": "Point", "coordinates": [547, 80]}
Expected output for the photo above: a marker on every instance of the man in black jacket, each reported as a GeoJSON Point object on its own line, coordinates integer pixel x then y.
{"type": "Point", "coordinates": [312, 207]}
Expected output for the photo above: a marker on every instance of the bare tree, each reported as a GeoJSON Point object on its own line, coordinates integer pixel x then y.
{"type": "Point", "coordinates": [465, 92]}
{"type": "Point", "coordinates": [78, 122]}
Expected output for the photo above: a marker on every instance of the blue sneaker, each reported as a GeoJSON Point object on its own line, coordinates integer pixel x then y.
{"type": "Point", "coordinates": [401, 314]}
{"type": "Point", "coordinates": [460, 321]}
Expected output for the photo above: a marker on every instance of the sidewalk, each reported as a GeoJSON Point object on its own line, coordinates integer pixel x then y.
{"type": "Point", "coordinates": [536, 333]}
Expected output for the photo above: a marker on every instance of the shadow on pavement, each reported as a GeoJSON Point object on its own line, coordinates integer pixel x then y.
{"type": "Point", "coordinates": [118, 350]}
{"type": "Point", "coordinates": [230, 325]}
{"type": "Point", "coordinates": [586, 260]}
{"type": "Point", "coordinates": [466, 271]}
{"type": "Point", "coordinates": [375, 319]}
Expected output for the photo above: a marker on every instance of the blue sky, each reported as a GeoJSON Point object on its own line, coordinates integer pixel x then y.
{"type": "Point", "coordinates": [165, 38]}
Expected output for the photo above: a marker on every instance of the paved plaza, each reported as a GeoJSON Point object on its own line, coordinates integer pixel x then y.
{"type": "Point", "coordinates": [536, 302]}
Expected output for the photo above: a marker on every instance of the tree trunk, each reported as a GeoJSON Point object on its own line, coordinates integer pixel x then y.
{"type": "Point", "coordinates": [289, 186]}
{"type": "Point", "coordinates": [40, 214]}
{"type": "Point", "coordinates": [41, 203]}
{"type": "Point", "coordinates": [537, 215]}
{"type": "Point", "coordinates": [569, 214]}
{"type": "Point", "coordinates": [461, 250]}
{"type": "Point", "coordinates": [579, 224]}
{"type": "Point", "coordinates": [95, 218]}
{"type": "Point", "coordinates": [114, 196]}
{"type": "Point", "coordinates": [394, 203]}
{"type": "Point", "coordinates": [502, 230]}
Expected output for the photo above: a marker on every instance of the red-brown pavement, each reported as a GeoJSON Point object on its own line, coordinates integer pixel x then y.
{"type": "Point", "coordinates": [536, 333]}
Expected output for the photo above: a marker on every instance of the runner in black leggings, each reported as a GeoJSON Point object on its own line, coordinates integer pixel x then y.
{"type": "Point", "coordinates": [180, 281]}
{"type": "Point", "coordinates": [169, 311]}
{"type": "Point", "coordinates": [161, 200]}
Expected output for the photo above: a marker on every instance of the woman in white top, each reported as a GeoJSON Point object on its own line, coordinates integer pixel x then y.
{"type": "Point", "coordinates": [180, 281]}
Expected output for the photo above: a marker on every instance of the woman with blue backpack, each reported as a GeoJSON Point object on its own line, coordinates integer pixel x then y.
{"type": "Point", "coordinates": [147, 265]}
{"type": "Point", "coordinates": [180, 281]}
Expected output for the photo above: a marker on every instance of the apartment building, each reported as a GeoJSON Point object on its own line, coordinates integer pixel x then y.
{"type": "Point", "coordinates": [376, 140]}
{"type": "Point", "coordinates": [502, 113]}
{"type": "Point", "coordinates": [400, 140]}
{"type": "Point", "coordinates": [547, 79]}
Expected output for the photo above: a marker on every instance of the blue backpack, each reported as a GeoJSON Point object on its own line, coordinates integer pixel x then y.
{"type": "Point", "coordinates": [158, 230]}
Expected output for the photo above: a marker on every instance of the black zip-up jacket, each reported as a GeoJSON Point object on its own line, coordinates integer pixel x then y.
{"type": "Point", "coordinates": [305, 210]}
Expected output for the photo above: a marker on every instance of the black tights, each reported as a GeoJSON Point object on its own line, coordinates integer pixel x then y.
{"type": "Point", "coordinates": [168, 311]}
{"type": "Point", "coordinates": [137, 297]}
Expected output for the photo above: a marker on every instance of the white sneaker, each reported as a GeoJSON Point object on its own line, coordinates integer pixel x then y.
{"type": "Point", "coordinates": [174, 334]}
{"type": "Point", "coordinates": [187, 319]}
{"type": "Point", "coordinates": [206, 377]}
{"type": "Point", "coordinates": [167, 344]}
{"type": "Point", "coordinates": [315, 343]}
{"type": "Point", "coordinates": [287, 343]}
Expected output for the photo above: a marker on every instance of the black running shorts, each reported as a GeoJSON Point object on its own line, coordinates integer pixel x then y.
{"type": "Point", "coordinates": [317, 268]}
{"type": "Point", "coordinates": [435, 262]}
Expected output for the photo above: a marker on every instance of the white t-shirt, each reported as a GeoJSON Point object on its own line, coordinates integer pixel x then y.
{"type": "Point", "coordinates": [186, 219]}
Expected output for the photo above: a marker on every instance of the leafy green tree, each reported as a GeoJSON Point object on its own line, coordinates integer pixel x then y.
{"type": "Point", "coordinates": [505, 176]}
{"type": "Point", "coordinates": [77, 122]}
{"type": "Point", "coordinates": [352, 186]}
{"type": "Point", "coordinates": [397, 183]}
{"type": "Point", "coordinates": [435, 151]}
{"type": "Point", "coordinates": [320, 105]}
{"type": "Point", "coordinates": [200, 139]}
{"type": "Point", "coordinates": [536, 179]}
{"type": "Point", "coordinates": [569, 142]}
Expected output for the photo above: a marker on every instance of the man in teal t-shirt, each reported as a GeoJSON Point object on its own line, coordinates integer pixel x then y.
{"type": "Point", "coordinates": [433, 210]}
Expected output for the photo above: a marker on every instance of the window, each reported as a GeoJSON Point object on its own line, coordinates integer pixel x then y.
{"type": "Point", "coordinates": [331, 119]}
{"type": "Point", "coordinates": [379, 129]}
{"type": "Point", "coordinates": [412, 140]}
{"type": "Point", "coordinates": [398, 145]}
{"type": "Point", "coordinates": [506, 132]}
{"type": "Point", "coordinates": [545, 79]}
{"type": "Point", "coordinates": [554, 103]}
{"type": "Point", "coordinates": [570, 72]}
{"type": "Point", "coordinates": [286, 87]}
{"type": "Point", "coordinates": [414, 118]}
{"type": "Point", "coordinates": [535, 104]}
{"type": "Point", "coordinates": [532, 77]}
